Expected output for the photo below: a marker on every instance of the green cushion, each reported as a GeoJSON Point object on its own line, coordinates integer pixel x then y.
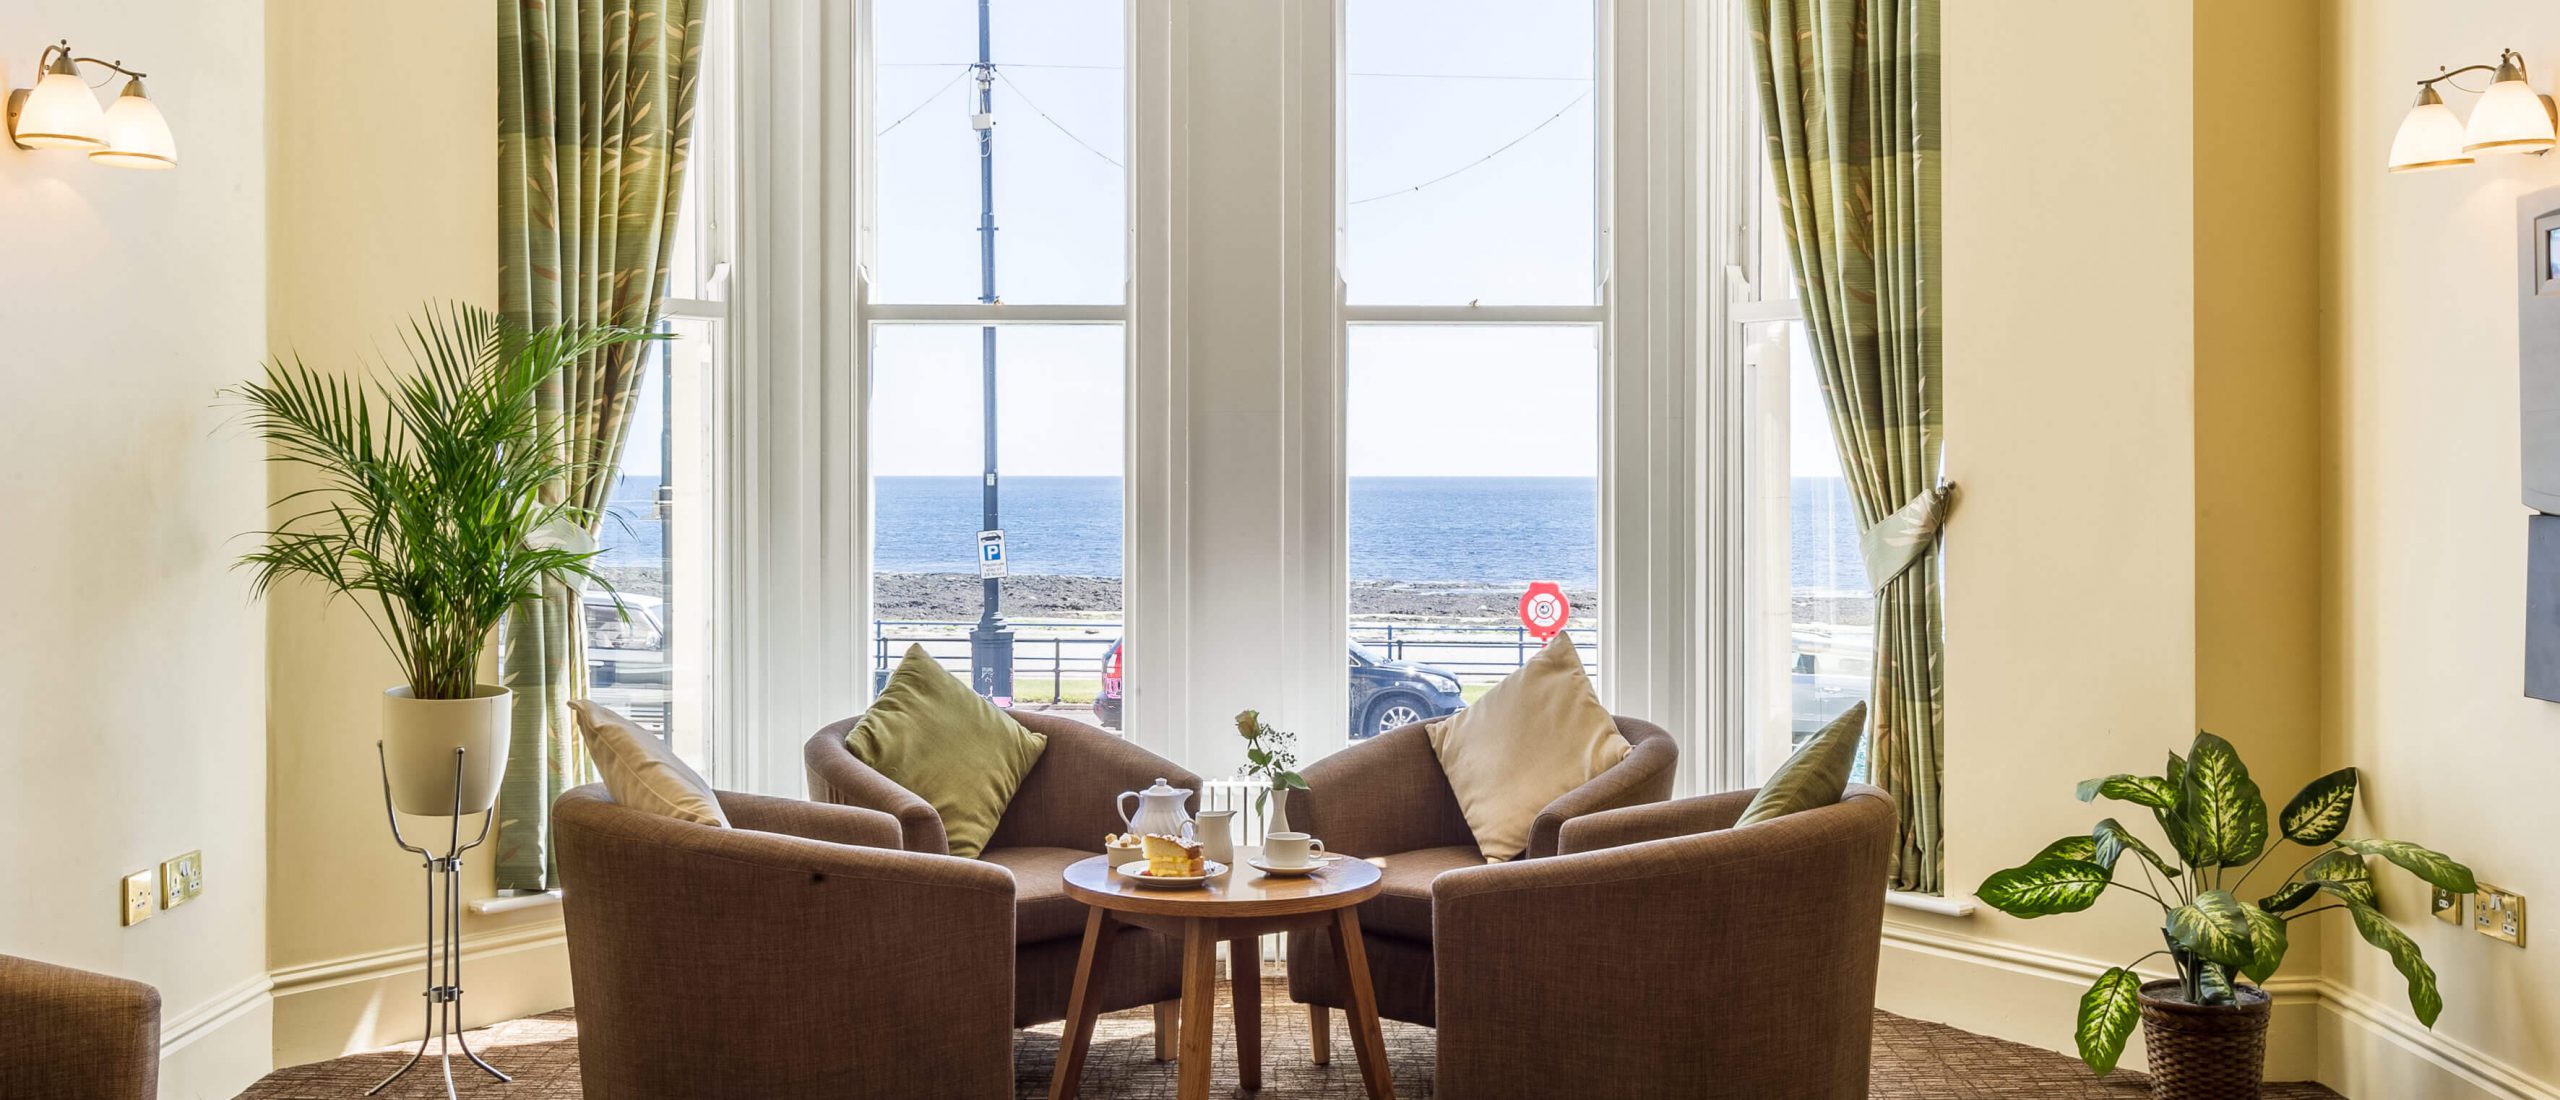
{"type": "Point", "coordinates": [929, 733]}
{"type": "Point", "coordinates": [1817, 775]}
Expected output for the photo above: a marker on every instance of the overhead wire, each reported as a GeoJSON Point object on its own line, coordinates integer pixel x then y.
{"type": "Point", "coordinates": [1107, 158]}
{"type": "Point", "coordinates": [1497, 151]}
{"type": "Point", "coordinates": [1055, 124]}
{"type": "Point", "coordinates": [928, 101]}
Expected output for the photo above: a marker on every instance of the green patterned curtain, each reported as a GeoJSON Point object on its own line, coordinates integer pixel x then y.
{"type": "Point", "coordinates": [1849, 96]}
{"type": "Point", "coordinates": [595, 111]}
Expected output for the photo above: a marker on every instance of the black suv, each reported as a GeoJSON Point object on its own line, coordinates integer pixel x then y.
{"type": "Point", "coordinates": [1384, 694]}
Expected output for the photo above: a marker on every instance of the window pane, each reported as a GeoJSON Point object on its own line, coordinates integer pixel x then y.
{"type": "Point", "coordinates": [650, 656]}
{"type": "Point", "coordinates": [1468, 152]}
{"type": "Point", "coordinates": [1773, 267]}
{"type": "Point", "coordinates": [1058, 443]}
{"type": "Point", "coordinates": [685, 269]}
{"type": "Point", "coordinates": [1055, 158]}
{"type": "Point", "coordinates": [1474, 458]}
{"type": "Point", "coordinates": [1819, 615]}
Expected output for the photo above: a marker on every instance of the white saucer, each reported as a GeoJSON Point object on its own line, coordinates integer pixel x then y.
{"type": "Point", "coordinates": [1292, 872]}
{"type": "Point", "coordinates": [1136, 871]}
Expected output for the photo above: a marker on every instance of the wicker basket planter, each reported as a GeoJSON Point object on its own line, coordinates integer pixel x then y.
{"type": "Point", "coordinates": [2201, 1052]}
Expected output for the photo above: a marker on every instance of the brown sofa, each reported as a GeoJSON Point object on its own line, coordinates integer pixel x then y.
{"type": "Point", "coordinates": [1386, 800]}
{"type": "Point", "coordinates": [1065, 806]}
{"type": "Point", "coordinates": [800, 953]}
{"type": "Point", "coordinates": [72, 1035]}
{"type": "Point", "coordinates": [1665, 953]}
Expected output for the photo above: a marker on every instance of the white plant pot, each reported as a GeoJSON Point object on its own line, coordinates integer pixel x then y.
{"type": "Point", "coordinates": [418, 739]}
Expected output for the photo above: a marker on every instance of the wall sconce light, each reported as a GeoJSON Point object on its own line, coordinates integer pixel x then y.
{"type": "Point", "coordinates": [2510, 118]}
{"type": "Point", "coordinates": [61, 112]}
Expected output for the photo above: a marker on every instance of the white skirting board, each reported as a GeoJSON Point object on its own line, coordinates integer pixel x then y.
{"type": "Point", "coordinates": [2320, 1030]}
{"type": "Point", "coordinates": [336, 1006]}
{"type": "Point", "coordinates": [220, 1046]}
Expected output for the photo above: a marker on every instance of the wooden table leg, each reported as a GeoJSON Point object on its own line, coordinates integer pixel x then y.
{"type": "Point", "coordinates": [1320, 1034]}
{"type": "Point", "coordinates": [1084, 1004]}
{"type": "Point", "coordinates": [1168, 1028]}
{"type": "Point", "coordinates": [1199, 1007]}
{"type": "Point", "coordinates": [1244, 980]}
{"type": "Point", "coordinates": [1366, 1040]}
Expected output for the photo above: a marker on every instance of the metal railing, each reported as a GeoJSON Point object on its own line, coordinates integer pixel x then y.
{"type": "Point", "coordinates": [1050, 649]}
{"type": "Point", "coordinates": [1451, 647]}
{"type": "Point", "coordinates": [1042, 649]}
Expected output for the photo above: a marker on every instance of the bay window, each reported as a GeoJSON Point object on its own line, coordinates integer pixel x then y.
{"type": "Point", "coordinates": [1266, 339]}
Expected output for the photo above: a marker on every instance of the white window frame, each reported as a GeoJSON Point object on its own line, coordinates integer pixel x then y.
{"type": "Point", "coordinates": [1756, 293]}
{"type": "Point", "coordinates": [709, 174]}
{"type": "Point", "coordinates": [1731, 151]}
{"type": "Point", "coordinates": [796, 493]}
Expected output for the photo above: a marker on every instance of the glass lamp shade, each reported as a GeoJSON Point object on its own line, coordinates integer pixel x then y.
{"type": "Point", "coordinates": [2510, 118]}
{"type": "Point", "coordinates": [137, 135]}
{"type": "Point", "coordinates": [60, 113]}
{"type": "Point", "coordinates": [2430, 137]}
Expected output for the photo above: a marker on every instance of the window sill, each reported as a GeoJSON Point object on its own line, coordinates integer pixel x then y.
{"type": "Point", "coordinates": [516, 904]}
{"type": "Point", "coordinates": [1929, 903]}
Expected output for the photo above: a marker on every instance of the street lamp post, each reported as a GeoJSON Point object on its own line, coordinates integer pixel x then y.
{"type": "Point", "coordinates": [990, 641]}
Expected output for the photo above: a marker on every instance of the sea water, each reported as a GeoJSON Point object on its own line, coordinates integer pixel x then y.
{"type": "Point", "coordinates": [1489, 530]}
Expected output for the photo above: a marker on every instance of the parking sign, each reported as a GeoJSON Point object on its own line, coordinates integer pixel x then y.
{"type": "Point", "coordinates": [990, 554]}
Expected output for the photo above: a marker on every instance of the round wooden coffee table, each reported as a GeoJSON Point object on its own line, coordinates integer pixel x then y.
{"type": "Point", "coordinates": [1237, 907]}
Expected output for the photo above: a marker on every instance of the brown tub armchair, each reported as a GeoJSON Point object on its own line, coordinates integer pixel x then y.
{"type": "Point", "coordinates": [1066, 804]}
{"type": "Point", "coordinates": [70, 1034]}
{"type": "Point", "coordinates": [1664, 953]}
{"type": "Point", "coordinates": [1386, 800]}
{"type": "Point", "coordinates": [799, 953]}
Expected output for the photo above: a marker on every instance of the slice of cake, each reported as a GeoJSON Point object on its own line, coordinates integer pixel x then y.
{"type": "Point", "coordinates": [1171, 857]}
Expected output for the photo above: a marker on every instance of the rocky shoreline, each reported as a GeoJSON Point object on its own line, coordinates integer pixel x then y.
{"type": "Point", "coordinates": [955, 596]}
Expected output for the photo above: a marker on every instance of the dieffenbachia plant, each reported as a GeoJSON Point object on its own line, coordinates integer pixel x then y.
{"type": "Point", "coordinates": [2215, 820]}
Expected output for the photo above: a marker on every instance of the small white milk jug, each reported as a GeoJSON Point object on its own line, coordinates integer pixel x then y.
{"type": "Point", "coordinates": [1160, 811]}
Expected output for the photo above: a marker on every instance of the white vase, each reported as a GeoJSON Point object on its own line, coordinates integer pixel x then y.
{"type": "Point", "coordinates": [418, 739]}
{"type": "Point", "coordinates": [1279, 820]}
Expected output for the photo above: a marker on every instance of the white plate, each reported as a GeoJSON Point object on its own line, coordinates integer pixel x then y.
{"type": "Point", "coordinates": [1136, 871]}
{"type": "Point", "coordinates": [1292, 872]}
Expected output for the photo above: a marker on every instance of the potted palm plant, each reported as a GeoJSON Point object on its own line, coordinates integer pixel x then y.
{"type": "Point", "coordinates": [433, 508]}
{"type": "Point", "coordinates": [2206, 1028]}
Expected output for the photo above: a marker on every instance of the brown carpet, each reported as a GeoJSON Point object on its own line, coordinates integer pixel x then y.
{"type": "Point", "coordinates": [1914, 1060]}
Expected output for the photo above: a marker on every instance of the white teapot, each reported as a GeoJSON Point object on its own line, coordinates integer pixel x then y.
{"type": "Point", "coordinates": [1160, 810]}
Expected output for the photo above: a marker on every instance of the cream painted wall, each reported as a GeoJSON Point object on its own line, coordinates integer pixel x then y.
{"type": "Point", "coordinates": [129, 652]}
{"type": "Point", "coordinates": [2129, 380]}
{"type": "Point", "coordinates": [2070, 344]}
{"type": "Point", "coordinates": [2424, 577]}
{"type": "Point", "coordinates": [381, 196]}
{"type": "Point", "coordinates": [2196, 347]}
{"type": "Point", "coordinates": [2257, 426]}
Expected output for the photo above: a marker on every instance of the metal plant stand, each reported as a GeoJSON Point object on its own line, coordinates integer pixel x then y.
{"type": "Point", "coordinates": [444, 986]}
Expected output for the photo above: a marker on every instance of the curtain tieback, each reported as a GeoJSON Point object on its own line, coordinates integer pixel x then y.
{"type": "Point", "coordinates": [1893, 543]}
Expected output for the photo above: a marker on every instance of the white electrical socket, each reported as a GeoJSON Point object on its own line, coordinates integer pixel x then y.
{"type": "Point", "coordinates": [181, 879]}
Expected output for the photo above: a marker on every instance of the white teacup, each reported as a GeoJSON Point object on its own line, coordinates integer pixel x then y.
{"type": "Point", "coordinates": [1291, 850]}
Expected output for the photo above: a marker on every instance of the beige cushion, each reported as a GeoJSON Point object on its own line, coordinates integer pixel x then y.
{"type": "Point", "coordinates": [1539, 733]}
{"type": "Point", "coordinates": [640, 771]}
{"type": "Point", "coordinates": [1816, 775]}
{"type": "Point", "coordinates": [928, 733]}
